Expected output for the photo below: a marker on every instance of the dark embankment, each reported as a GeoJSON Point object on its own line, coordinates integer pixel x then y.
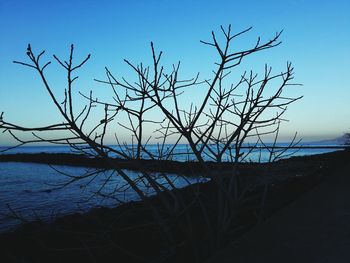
{"type": "Point", "coordinates": [128, 234]}
{"type": "Point", "coordinates": [81, 160]}
{"type": "Point", "coordinates": [188, 168]}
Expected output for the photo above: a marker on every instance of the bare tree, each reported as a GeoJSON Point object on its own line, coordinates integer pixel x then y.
{"type": "Point", "coordinates": [221, 124]}
{"type": "Point", "coordinates": [217, 129]}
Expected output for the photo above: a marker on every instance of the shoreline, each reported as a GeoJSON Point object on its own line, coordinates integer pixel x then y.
{"type": "Point", "coordinates": [146, 165]}
{"type": "Point", "coordinates": [130, 228]}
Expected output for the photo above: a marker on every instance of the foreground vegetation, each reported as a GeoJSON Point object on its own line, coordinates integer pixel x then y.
{"type": "Point", "coordinates": [196, 221]}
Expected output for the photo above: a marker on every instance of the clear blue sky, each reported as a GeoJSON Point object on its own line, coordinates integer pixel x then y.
{"type": "Point", "coordinates": [316, 40]}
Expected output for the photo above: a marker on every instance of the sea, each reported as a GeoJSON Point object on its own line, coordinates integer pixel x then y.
{"type": "Point", "coordinates": [31, 191]}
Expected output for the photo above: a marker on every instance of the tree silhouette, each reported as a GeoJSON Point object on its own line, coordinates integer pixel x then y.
{"type": "Point", "coordinates": [217, 129]}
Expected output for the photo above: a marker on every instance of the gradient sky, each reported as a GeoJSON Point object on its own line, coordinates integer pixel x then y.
{"type": "Point", "coordinates": [316, 40]}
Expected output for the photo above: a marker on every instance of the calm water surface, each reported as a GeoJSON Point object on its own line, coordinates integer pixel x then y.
{"type": "Point", "coordinates": [34, 190]}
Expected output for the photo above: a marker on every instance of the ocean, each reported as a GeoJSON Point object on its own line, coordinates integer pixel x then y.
{"type": "Point", "coordinates": [34, 191]}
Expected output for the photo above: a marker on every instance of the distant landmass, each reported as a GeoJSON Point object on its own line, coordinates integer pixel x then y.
{"type": "Point", "coordinates": [345, 139]}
